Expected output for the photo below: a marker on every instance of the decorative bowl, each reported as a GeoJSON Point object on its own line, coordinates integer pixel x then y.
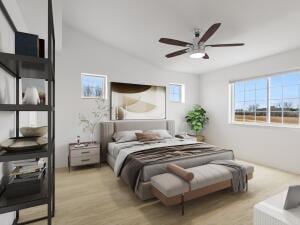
{"type": "Point", "coordinates": [33, 131]}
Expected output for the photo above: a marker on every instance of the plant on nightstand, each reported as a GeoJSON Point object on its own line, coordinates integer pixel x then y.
{"type": "Point", "coordinates": [196, 118]}
{"type": "Point", "coordinates": [89, 123]}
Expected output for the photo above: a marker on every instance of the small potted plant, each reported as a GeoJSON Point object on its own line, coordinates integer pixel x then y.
{"type": "Point", "coordinates": [196, 118]}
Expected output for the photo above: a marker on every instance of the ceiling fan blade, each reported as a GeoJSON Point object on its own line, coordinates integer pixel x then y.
{"type": "Point", "coordinates": [206, 56]}
{"type": "Point", "coordinates": [226, 45]}
{"type": "Point", "coordinates": [210, 32]}
{"type": "Point", "coordinates": [170, 41]}
{"type": "Point", "coordinates": [173, 54]}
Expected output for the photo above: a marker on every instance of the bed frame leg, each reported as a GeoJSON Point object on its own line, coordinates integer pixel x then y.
{"type": "Point", "coordinates": [246, 183]}
{"type": "Point", "coordinates": [182, 204]}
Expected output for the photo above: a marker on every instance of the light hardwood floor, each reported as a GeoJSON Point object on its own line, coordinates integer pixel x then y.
{"type": "Point", "coordinates": [93, 196]}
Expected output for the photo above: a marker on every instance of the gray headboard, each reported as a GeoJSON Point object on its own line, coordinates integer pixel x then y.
{"type": "Point", "coordinates": [107, 129]}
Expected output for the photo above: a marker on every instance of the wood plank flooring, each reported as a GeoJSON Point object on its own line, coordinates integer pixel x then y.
{"type": "Point", "coordinates": [93, 196]}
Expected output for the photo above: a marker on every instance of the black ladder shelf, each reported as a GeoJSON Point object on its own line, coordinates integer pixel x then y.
{"type": "Point", "coordinates": [20, 66]}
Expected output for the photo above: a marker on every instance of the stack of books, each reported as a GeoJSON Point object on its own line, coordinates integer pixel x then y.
{"type": "Point", "coordinates": [30, 168]}
{"type": "Point", "coordinates": [26, 178]}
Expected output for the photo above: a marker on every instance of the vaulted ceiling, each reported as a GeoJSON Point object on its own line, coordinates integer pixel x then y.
{"type": "Point", "coordinates": [134, 26]}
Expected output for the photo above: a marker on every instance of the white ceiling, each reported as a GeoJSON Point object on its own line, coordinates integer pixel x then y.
{"type": "Point", "coordinates": [134, 26]}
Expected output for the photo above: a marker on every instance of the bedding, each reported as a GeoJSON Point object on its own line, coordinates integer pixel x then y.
{"type": "Point", "coordinates": [125, 136]}
{"type": "Point", "coordinates": [138, 162]}
{"type": "Point", "coordinates": [164, 134]}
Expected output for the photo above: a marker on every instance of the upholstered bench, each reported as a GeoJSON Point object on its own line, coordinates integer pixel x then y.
{"type": "Point", "coordinates": [180, 185]}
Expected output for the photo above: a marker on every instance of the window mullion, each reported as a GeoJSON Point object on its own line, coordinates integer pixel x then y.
{"type": "Point", "coordinates": [269, 100]}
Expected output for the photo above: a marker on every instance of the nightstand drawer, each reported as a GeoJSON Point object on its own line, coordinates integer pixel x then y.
{"type": "Point", "coordinates": [85, 160]}
{"type": "Point", "coordinates": [85, 152]}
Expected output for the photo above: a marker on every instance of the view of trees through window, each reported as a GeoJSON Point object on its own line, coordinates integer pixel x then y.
{"type": "Point", "coordinates": [274, 99]}
{"type": "Point", "coordinates": [93, 86]}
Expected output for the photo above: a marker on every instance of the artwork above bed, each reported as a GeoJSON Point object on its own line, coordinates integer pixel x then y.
{"type": "Point", "coordinates": [136, 101]}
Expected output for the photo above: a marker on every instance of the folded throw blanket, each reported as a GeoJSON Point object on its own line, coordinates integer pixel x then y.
{"type": "Point", "coordinates": [238, 171]}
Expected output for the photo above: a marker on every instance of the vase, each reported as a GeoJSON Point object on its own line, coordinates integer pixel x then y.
{"type": "Point", "coordinates": [92, 137]}
{"type": "Point", "coordinates": [31, 96]}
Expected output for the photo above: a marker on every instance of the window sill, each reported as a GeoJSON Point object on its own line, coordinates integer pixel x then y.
{"type": "Point", "coordinates": [264, 125]}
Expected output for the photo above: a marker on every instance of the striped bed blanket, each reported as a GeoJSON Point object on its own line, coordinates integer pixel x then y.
{"type": "Point", "coordinates": [134, 162]}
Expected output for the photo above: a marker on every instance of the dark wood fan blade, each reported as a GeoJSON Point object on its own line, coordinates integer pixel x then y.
{"type": "Point", "coordinates": [210, 32]}
{"type": "Point", "coordinates": [226, 45]}
{"type": "Point", "coordinates": [173, 54]}
{"type": "Point", "coordinates": [206, 56]}
{"type": "Point", "coordinates": [170, 41]}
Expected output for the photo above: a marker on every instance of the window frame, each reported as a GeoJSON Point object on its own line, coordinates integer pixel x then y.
{"type": "Point", "coordinates": [268, 123]}
{"type": "Point", "coordinates": [182, 92]}
{"type": "Point", "coordinates": [104, 96]}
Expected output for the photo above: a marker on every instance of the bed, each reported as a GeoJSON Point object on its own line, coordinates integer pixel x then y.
{"type": "Point", "coordinates": [117, 154]}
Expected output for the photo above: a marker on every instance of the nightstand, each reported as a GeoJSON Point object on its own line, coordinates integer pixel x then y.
{"type": "Point", "coordinates": [85, 153]}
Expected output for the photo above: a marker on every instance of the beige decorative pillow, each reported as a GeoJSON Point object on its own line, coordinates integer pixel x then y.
{"type": "Point", "coordinates": [147, 136]}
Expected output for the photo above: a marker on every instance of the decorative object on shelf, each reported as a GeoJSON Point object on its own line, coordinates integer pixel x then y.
{"type": "Point", "coordinates": [89, 123]}
{"type": "Point", "coordinates": [26, 178]}
{"type": "Point", "coordinates": [78, 140]}
{"type": "Point", "coordinates": [196, 118]}
{"type": "Point", "coordinates": [41, 48]}
{"type": "Point", "coordinates": [34, 131]}
{"type": "Point", "coordinates": [24, 143]}
{"type": "Point", "coordinates": [39, 84]}
{"type": "Point", "coordinates": [4, 90]}
{"type": "Point", "coordinates": [31, 96]}
{"type": "Point", "coordinates": [26, 44]}
{"type": "Point", "coordinates": [136, 101]}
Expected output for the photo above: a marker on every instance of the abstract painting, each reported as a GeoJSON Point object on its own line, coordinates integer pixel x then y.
{"type": "Point", "coordinates": [136, 101]}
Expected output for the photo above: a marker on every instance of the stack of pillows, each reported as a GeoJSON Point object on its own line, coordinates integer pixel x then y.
{"type": "Point", "coordinates": [142, 136]}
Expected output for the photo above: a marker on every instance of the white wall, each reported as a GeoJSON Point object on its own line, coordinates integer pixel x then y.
{"type": "Point", "coordinates": [83, 54]}
{"type": "Point", "coordinates": [272, 146]}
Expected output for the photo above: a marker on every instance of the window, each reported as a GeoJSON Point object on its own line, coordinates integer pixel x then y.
{"type": "Point", "coordinates": [93, 86]}
{"type": "Point", "coordinates": [177, 93]}
{"type": "Point", "coordinates": [269, 100]}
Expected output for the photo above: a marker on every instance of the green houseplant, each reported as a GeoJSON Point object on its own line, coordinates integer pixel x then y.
{"type": "Point", "coordinates": [196, 119]}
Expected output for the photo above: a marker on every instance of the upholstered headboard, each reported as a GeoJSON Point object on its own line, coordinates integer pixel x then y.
{"type": "Point", "coordinates": [107, 129]}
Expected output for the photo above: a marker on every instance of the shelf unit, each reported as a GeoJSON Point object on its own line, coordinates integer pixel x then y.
{"type": "Point", "coordinates": [20, 66]}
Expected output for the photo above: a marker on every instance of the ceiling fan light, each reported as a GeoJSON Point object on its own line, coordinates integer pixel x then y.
{"type": "Point", "coordinates": [197, 55]}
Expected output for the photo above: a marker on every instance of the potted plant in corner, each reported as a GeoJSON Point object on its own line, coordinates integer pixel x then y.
{"type": "Point", "coordinates": [196, 118]}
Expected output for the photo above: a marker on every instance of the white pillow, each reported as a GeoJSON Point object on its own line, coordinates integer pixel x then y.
{"type": "Point", "coordinates": [125, 136]}
{"type": "Point", "coordinates": [164, 134]}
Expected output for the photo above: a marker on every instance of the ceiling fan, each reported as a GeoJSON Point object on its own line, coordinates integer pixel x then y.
{"type": "Point", "coordinates": [198, 47]}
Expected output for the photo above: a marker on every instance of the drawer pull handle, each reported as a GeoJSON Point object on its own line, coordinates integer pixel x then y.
{"type": "Point", "coordinates": [85, 160]}
{"type": "Point", "coordinates": [84, 152]}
